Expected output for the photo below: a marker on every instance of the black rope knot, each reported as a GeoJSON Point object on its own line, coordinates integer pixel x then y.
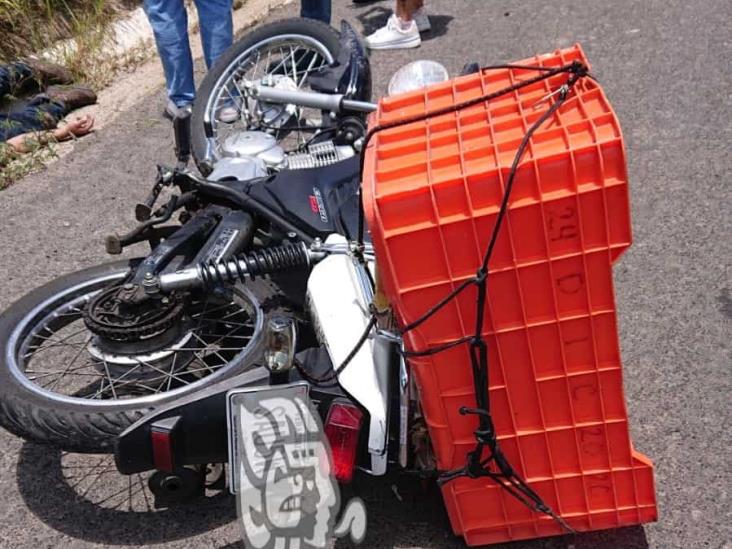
{"type": "Point", "coordinates": [579, 68]}
{"type": "Point", "coordinates": [486, 434]}
{"type": "Point", "coordinates": [474, 468]}
{"type": "Point", "coordinates": [480, 276]}
{"type": "Point", "coordinates": [486, 437]}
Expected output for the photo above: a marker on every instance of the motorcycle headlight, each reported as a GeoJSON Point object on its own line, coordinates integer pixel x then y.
{"type": "Point", "coordinates": [416, 75]}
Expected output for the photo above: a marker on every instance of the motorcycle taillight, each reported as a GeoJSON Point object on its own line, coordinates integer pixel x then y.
{"type": "Point", "coordinates": [162, 447]}
{"type": "Point", "coordinates": [342, 428]}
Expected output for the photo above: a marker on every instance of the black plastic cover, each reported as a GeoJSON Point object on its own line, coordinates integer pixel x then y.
{"type": "Point", "coordinates": [351, 73]}
{"type": "Point", "coordinates": [320, 201]}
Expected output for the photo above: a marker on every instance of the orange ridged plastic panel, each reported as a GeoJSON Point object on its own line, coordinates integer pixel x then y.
{"type": "Point", "coordinates": [432, 190]}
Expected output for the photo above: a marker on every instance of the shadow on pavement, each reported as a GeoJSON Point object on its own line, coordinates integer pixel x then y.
{"type": "Point", "coordinates": [374, 18]}
{"type": "Point", "coordinates": [84, 497]}
{"type": "Point", "coordinates": [439, 27]}
{"type": "Point", "coordinates": [406, 512]}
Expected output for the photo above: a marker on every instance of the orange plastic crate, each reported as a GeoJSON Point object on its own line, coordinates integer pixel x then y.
{"type": "Point", "coordinates": [432, 190]}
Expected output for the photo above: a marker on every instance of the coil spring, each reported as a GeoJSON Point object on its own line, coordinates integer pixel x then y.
{"type": "Point", "coordinates": [253, 264]}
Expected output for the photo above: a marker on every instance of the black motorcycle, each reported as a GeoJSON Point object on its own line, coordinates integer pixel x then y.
{"type": "Point", "coordinates": [266, 279]}
{"type": "Point", "coordinates": [88, 355]}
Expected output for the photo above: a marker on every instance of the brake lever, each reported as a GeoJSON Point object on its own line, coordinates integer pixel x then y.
{"type": "Point", "coordinates": [114, 243]}
{"type": "Point", "coordinates": [143, 211]}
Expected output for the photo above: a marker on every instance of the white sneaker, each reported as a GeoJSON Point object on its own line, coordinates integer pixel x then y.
{"type": "Point", "coordinates": [393, 36]}
{"type": "Point", "coordinates": [422, 19]}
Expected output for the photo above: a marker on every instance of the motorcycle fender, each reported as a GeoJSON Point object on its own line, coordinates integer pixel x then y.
{"type": "Point", "coordinates": [350, 75]}
{"type": "Point", "coordinates": [338, 299]}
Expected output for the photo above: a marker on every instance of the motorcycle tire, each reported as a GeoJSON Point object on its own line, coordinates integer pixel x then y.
{"type": "Point", "coordinates": [82, 425]}
{"type": "Point", "coordinates": [317, 30]}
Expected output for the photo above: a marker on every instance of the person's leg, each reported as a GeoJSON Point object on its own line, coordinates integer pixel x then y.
{"type": "Point", "coordinates": [217, 28]}
{"type": "Point", "coordinates": [9, 127]}
{"type": "Point", "coordinates": [400, 31]}
{"type": "Point", "coordinates": [169, 21]}
{"type": "Point", "coordinates": [217, 35]}
{"type": "Point", "coordinates": [12, 75]}
{"type": "Point", "coordinates": [405, 9]}
{"type": "Point", "coordinates": [316, 9]}
{"type": "Point", "coordinates": [6, 84]}
{"type": "Point", "coordinates": [41, 113]}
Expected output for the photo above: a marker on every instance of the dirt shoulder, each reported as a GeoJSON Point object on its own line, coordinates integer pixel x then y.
{"type": "Point", "coordinates": [137, 74]}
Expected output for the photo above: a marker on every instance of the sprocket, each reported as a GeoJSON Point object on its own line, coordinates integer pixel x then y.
{"type": "Point", "coordinates": [112, 317]}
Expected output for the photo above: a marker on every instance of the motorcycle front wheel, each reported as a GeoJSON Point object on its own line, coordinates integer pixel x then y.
{"type": "Point", "coordinates": [57, 386]}
{"type": "Point", "coordinates": [281, 54]}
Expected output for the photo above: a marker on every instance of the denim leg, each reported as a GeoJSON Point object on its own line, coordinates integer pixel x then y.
{"type": "Point", "coordinates": [39, 114]}
{"type": "Point", "coordinates": [11, 75]}
{"type": "Point", "coordinates": [169, 21]}
{"type": "Point", "coordinates": [9, 127]}
{"type": "Point", "coordinates": [316, 9]}
{"type": "Point", "coordinates": [217, 28]}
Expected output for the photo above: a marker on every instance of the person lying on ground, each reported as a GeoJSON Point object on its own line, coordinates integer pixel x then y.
{"type": "Point", "coordinates": [27, 142]}
{"type": "Point", "coordinates": [45, 109]}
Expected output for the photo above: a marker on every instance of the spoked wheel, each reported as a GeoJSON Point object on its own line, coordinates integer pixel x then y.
{"type": "Point", "coordinates": [282, 55]}
{"type": "Point", "coordinates": [66, 382]}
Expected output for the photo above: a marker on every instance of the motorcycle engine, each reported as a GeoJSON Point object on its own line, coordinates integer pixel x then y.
{"type": "Point", "coordinates": [248, 155]}
{"type": "Point", "coordinates": [251, 154]}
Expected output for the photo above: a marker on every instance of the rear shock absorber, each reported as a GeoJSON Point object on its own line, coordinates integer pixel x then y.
{"type": "Point", "coordinates": [254, 264]}
{"type": "Point", "coordinates": [239, 268]}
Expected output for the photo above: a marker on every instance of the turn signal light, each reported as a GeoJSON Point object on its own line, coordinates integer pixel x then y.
{"type": "Point", "coordinates": [342, 427]}
{"type": "Point", "coordinates": [279, 344]}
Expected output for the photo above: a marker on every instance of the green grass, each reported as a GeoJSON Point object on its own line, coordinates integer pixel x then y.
{"type": "Point", "coordinates": [14, 167]}
{"type": "Point", "coordinates": [28, 27]}
{"type": "Point", "coordinates": [32, 26]}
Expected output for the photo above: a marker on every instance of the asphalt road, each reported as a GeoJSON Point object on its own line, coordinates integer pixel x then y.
{"type": "Point", "coordinates": [665, 65]}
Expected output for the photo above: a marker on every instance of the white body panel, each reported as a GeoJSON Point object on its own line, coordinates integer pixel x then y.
{"type": "Point", "coordinates": [340, 310]}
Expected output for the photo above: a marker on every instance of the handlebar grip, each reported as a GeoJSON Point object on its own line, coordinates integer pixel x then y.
{"type": "Point", "coordinates": [182, 132]}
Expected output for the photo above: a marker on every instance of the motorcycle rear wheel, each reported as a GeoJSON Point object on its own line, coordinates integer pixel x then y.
{"type": "Point", "coordinates": [79, 398]}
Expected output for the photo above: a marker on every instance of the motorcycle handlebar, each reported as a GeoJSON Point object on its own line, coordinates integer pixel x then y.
{"type": "Point", "coordinates": [323, 101]}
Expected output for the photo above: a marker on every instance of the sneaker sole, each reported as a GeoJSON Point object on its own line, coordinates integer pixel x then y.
{"type": "Point", "coordinates": [405, 44]}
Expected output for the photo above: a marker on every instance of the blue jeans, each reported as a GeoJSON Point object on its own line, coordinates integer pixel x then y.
{"type": "Point", "coordinates": [316, 9]}
{"type": "Point", "coordinates": [40, 113]}
{"type": "Point", "coordinates": [169, 21]}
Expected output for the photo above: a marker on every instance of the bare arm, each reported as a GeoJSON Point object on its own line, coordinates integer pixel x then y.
{"type": "Point", "coordinates": [26, 142]}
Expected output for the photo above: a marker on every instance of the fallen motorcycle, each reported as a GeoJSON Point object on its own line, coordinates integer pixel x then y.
{"type": "Point", "coordinates": [269, 279]}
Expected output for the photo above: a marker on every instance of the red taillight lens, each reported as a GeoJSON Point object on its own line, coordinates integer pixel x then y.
{"type": "Point", "coordinates": [162, 447]}
{"type": "Point", "coordinates": [342, 429]}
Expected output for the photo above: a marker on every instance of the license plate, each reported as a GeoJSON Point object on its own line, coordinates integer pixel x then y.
{"type": "Point", "coordinates": [257, 415]}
